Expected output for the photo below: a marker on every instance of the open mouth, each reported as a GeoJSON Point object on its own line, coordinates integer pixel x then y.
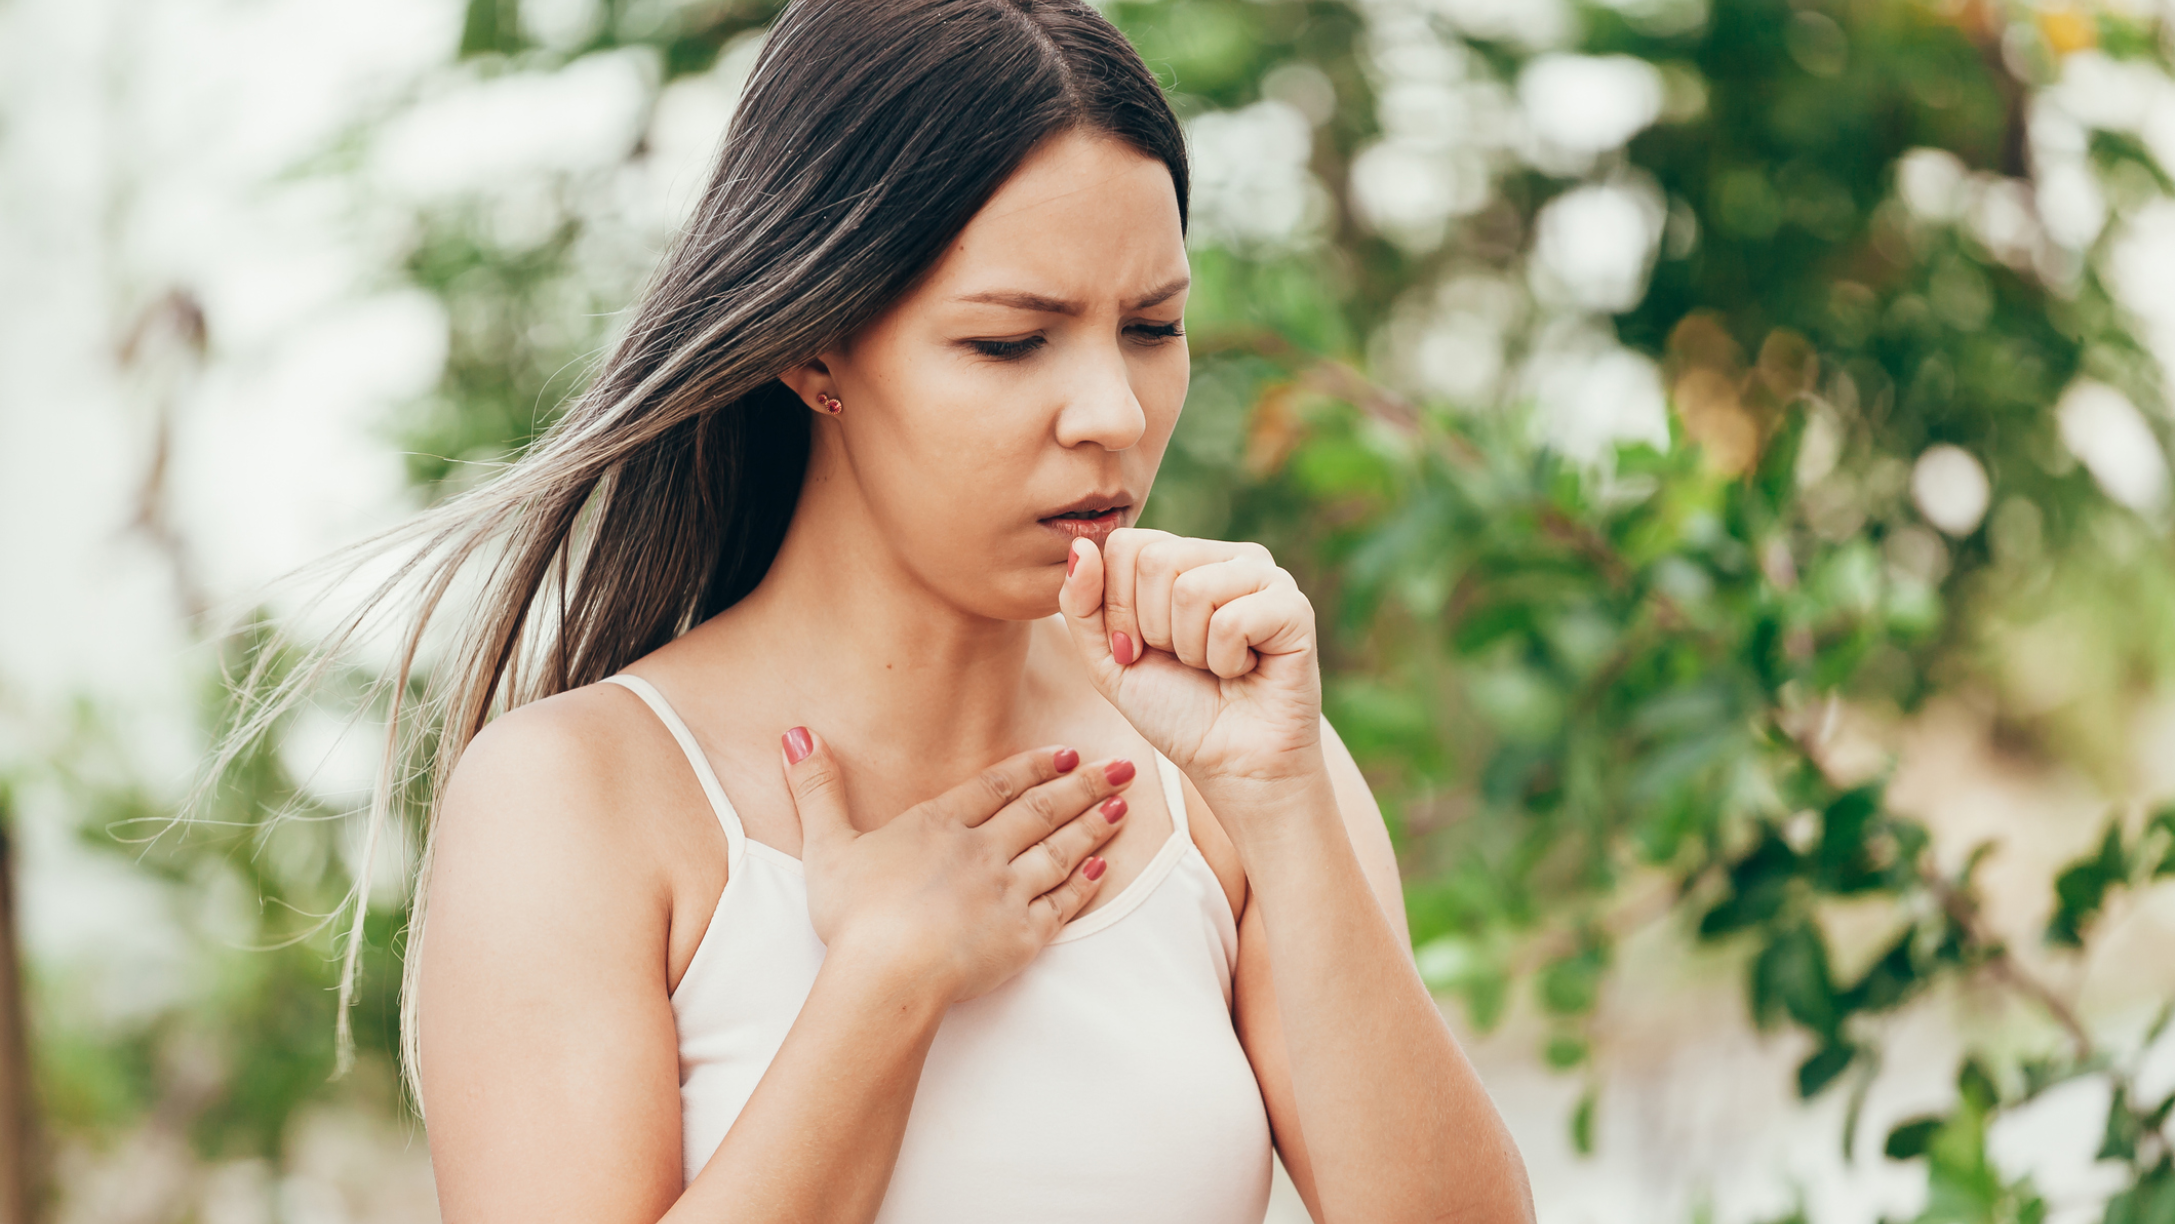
{"type": "Point", "coordinates": [1095, 522]}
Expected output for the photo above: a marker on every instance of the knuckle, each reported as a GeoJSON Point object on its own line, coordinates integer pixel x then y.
{"type": "Point", "coordinates": [1256, 552]}
{"type": "Point", "coordinates": [1060, 861]}
{"type": "Point", "coordinates": [997, 785]}
{"type": "Point", "coordinates": [1045, 807]}
{"type": "Point", "coordinates": [1096, 831]}
{"type": "Point", "coordinates": [815, 779]}
{"type": "Point", "coordinates": [1091, 789]}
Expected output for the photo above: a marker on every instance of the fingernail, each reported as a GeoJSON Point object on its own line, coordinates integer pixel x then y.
{"type": "Point", "coordinates": [1065, 759]}
{"type": "Point", "coordinates": [798, 744]}
{"type": "Point", "coordinates": [1114, 809]}
{"type": "Point", "coordinates": [1072, 560]}
{"type": "Point", "coordinates": [1121, 649]}
{"type": "Point", "coordinates": [1119, 772]}
{"type": "Point", "coordinates": [1093, 868]}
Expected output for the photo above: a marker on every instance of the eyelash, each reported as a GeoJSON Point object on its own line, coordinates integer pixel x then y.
{"type": "Point", "coordinates": [1013, 350]}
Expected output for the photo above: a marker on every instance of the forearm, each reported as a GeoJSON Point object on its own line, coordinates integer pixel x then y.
{"type": "Point", "coordinates": [1395, 1122]}
{"type": "Point", "coordinates": [821, 1132]}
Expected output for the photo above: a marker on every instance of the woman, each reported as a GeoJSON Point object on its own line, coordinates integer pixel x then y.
{"type": "Point", "coordinates": [844, 524]}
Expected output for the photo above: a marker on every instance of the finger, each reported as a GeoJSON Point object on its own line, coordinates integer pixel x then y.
{"type": "Point", "coordinates": [1081, 600]}
{"type": "Point", "coordinates": [986, 793]}
{"type": "Point", "coordinates": [1277, 621]}
{"type": "Point", "coordinates": [1158, 566]}
{"type": "Point", "coordinates": [1045, 864]}
{"type": "Point", "coordinates": [1053, 909]}
{"type": "Point", "coordinates": [819, 792]}
{"type": "Point", "coordinates": [1199, 592]}
{"type": "Point", "coordinates": [1045, 809]}
{"type": "Point", "coordinates": [1120, 613]}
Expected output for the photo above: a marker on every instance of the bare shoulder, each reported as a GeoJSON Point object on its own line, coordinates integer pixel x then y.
{"type": "Point", "coordinates": [581, 736]}
{"type": "Point", "coordinates": [575, 805]}
{"type": "Point", "coordinates": [560, 767]}
{"type": "Point", "coordinates": [569, 734]}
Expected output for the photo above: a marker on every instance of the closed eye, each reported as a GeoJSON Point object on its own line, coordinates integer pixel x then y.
{"type": "Point", "coordinates": [1013, 350]}
{"type": "Point", "coordinates": [1007, 350]}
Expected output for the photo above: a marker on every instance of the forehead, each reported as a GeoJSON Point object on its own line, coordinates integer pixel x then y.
{"type": "Point", "coordinates": [1085, 217]}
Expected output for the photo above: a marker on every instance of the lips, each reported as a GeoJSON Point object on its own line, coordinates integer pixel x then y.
{"type": "Point", "coordinates": [1093, 517]}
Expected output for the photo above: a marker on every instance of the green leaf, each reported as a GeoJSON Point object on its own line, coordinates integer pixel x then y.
{"type": "Point", "coordinates": [1909, 1140]}
{"type": "Point", "coordinates": [1486, 995]}
{"type": "Point", "coordinates": [2082, 888]}
{"type": "Point", "coordinates": [1571, 984]}
{"type": "Point", "coordinates": [1759, 884]}
{"type": "Point", "coordinates": [1488, 624]}
{"type": "Point", "coordinates": [2164, 822]}
{"type": "Point", "coordinates": [1582, 1123]}
{"type": "Point", "coordinates": [1977, 1086]}
{"type": "Point", "coordinates": [2123, 1128]}
{"type": "Point", "coordinates": [1889, 981]}
{"type": "Point", "coordinates": [1868, 1065]}
{"type": "Point", "coordinates": [2150, 1201]}
{"type": "Point", "coordinates": [1565, 1052]}
{"type": "Point", "coordinates": [1820, 1070]}
{"type": "Point", "coordinates": [1791, 976]}
{"type": "Point", "coordinates": [1840, 859]}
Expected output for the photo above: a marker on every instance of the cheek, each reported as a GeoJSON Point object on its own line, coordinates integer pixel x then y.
{"type": "Point", "coordinates": [1160, 385]}
{"type": "Point", "coordinates": [957, 420]}
{"type": "Point", "coordinates": [942, 436]}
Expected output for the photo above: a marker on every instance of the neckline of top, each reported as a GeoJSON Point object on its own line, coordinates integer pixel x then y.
{"type": "Point", "coordinates": [738, 843]}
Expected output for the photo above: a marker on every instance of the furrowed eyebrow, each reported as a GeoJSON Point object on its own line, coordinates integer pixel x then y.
{"type": "Point", "coordinates": [1162, 294]}
{"type": "Point", "coordinates": [1020, 299]}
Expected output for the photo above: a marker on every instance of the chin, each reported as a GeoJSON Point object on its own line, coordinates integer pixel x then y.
{"type": "Point", "coordinates": [1026, 594]}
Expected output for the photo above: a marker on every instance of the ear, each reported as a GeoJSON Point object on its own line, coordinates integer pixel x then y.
{"type": "Point", "coordinates": [811, 381]}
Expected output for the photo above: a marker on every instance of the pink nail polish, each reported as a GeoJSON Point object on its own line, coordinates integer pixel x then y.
{"type": "Point", "coordinates": [798, 744]}
{"type": "Point", "coordinates": [1119, 772]}
{"type": "Point", "coordinates": [1121, 649]}
{"type": "Point", "coordinates": [1114, 809]}
{"type": "Point", "coordinates": [1093, 868]}
{"type": "Point", "coordinates": [1065, 760]}
{"type": "Point", "coordinates": [1072, 560]}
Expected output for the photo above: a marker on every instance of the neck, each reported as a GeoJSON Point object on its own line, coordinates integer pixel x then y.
{"type": "Point", "coordinates": [860, 648]}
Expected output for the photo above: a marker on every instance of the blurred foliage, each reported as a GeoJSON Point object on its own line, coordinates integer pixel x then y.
{"type": "Point", "coordinates": [259, 884]}
{"type": "Point", "coordinates": [1570, 676]}
{"type": "Point", "coordinates": [1591, 683]}
{"type": "Point", "coordinates": [1567, 677]}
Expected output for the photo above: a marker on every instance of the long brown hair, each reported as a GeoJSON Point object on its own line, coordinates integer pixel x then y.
{"type": "Point", "coordinates": [871, 131]}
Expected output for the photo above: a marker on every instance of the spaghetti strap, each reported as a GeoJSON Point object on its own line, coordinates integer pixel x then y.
{"type": "Point", "coordinates": [1174, 793]}
{"type": "Point", "coordinates": [735, 837]}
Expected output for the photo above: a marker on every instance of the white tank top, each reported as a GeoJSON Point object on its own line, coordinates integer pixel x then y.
{"type": "Point", "coordinates": [1103, 1082]}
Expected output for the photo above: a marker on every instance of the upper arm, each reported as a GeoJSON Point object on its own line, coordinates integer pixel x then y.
{"type": "Point", "coordinates": [548, 1055]}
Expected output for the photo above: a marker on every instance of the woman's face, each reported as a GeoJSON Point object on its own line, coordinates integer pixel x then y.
{"type": "Point", "coordinates": [1022, 394]}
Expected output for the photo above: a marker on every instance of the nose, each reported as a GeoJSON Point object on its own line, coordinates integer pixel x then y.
{"type": "Point", "coordinates": [1102, 408]}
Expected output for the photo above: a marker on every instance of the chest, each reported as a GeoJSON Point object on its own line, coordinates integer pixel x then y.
{"type": "Point", "coordinates": [876, 793]}
{"type": "Point", "coordinates": [1105, 1081]}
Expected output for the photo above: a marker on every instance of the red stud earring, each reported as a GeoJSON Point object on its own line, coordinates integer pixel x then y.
{"type": "Point", "coordinates": [830, 403]}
